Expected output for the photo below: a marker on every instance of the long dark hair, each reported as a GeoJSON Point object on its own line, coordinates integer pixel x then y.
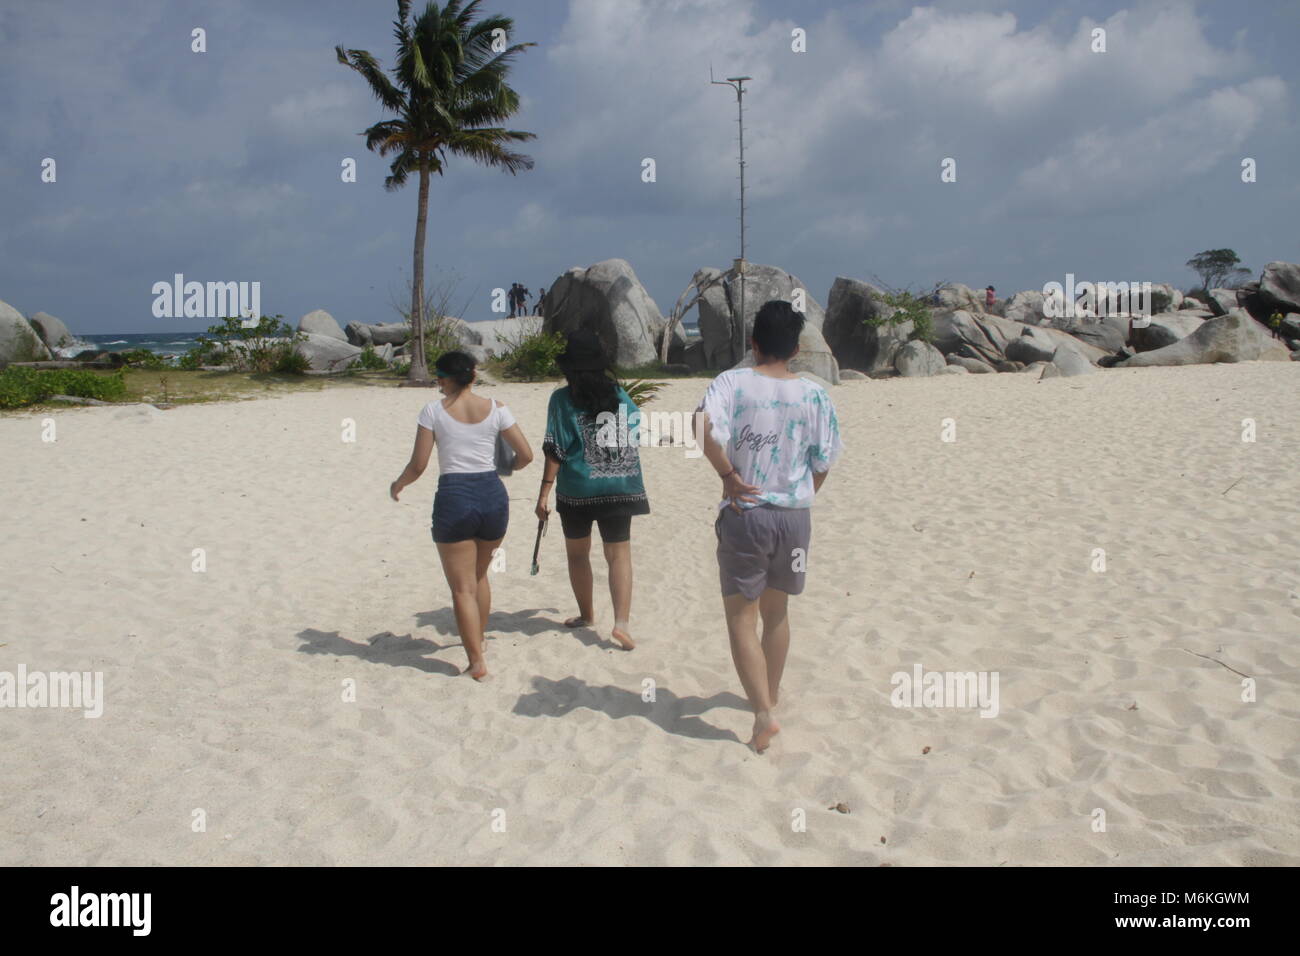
{"type": "Point", "coordinates": [592, 391]}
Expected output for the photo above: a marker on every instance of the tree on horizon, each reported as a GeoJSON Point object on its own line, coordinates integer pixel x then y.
{"type": "Point", "coordinates": [1217, 266]}
{"type": "Point", "coordinates": [448, 91]}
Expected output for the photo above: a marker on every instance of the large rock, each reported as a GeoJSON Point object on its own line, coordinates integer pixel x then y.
{"type": "Point", "coordinates": [720, 304]}
{"type": "Point", "coordinates": [1279, 285]}
{"type": "Point", "coordinates": [1107, 332]}
{"type": "Point", "coordinates": [1025, 307]}
{"type": "Point", "coordinates": [1234, 337]}
{"type": "Point", "coordinates": [857, 343]}
{"type": "Point", "coordinates": [1033, 344]}
{"type": "Point", "coordinates": [693, 357]}
{"type": "Point", "coordinates": [813, 356]}
{"type": "Point", "coordinates": [1071, 361]}
{"type": "Point", "coordinates": [609, 299]}
{"type": "Point", "coordinates": [358, 334]}
{"type": "Point", "coordinates": [1224, 299]}
{"type": "Point", "coordinates": [18, 340]}
{"type": "Point", "coordinates": [955, 296]}
{"type": "Point", "coordinates": [464, 333]}
{"type": "Point", "coordinates": [988, 336]}
{"type": "Point", "coordinates": [969, 364]}
{"type": "Point", "coordinates": [327, 354]}
{"type": "Point", "coordinates": [390, 333]}
{"type": "Point", "coordinates": [52, 331]}
{"type": "Point", "coordinates": [1175, 295]}
{"type": "Point", "coordinates": [320, 322]}
{"type": "Point", "coordinates": [917, 359]}
{"type": "Point", "coordinates": [1165, 329]}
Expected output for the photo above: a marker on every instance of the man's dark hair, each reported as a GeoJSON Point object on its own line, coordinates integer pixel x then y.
{"type": "Point", "coordinates": [777, 328]}
{"type": "Point", "coordinates": [457, 366]}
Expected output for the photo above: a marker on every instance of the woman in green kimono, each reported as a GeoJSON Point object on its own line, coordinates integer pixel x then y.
{"type": "Point", "coordinates": [592, 460]}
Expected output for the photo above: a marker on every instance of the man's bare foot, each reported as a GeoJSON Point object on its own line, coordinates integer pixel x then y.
{"type": "Point", "coordinates": [477, 670]}
{"type": "Point", "coordinates": [765, 728]}
{"type": "Point", "coordinates": [623, 638]}
{"type": "Point", "coordinates": [577, 622]}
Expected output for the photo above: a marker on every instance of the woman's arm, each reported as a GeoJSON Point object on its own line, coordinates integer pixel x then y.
{"type": "Point", "coordinates": [419, 461]}
{"type": "Point", "coordinates": [549, 471]}
{"type": "Point", "coordinates": [514, 437]}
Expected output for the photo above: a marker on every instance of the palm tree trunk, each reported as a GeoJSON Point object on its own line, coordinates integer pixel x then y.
{"type": "Point", "coordinates": [419, 368]}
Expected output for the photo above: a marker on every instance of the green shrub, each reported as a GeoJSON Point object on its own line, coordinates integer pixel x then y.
{"type": "Point", "coordinates": [144, 358]}
{"type": "Point", "coordinates": [27, 386]}
{"type": "Point", "coordinates": [1160, 302]}
{"type": "Point", "coordinates": [268, 346]}
{"type": "Point", "coordinates": [292, 362]}
{"type": "Point", "coordinates": [907, 308]}
{"type": "Point", "coordinates": [370, 359]}
{"type": "Point", "coordinates": [531, 355]}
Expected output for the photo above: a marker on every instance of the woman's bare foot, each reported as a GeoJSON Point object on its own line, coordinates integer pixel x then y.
{"type": "Point", "coordinates": [577, 622]}
{"type": "Point", "coordinates": [623, 638]}
{"type": "Point", "coordinates": [765, 728]}
{"type": "Point", "coordinates": [477, 669]}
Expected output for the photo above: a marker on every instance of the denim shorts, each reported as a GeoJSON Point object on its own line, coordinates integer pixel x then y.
{"type": "Point", "coordinates": [470, 506]}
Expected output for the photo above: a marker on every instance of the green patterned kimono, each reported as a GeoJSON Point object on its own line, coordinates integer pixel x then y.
{"type": "Point", "coordinates": [600, 462]}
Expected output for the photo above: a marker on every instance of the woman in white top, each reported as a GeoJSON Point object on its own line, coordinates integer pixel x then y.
{"type": "Point", "coordinates": [470, 508]}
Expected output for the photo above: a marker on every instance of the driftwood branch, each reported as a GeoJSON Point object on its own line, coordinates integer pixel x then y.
{"type": "Point", "coordinates": [679, 310]}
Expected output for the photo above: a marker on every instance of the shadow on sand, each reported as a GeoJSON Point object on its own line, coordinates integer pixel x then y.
{"type": "Point", "coordinates": [672, 714]}
{"type": "Point", "coordinates": [396, 650]}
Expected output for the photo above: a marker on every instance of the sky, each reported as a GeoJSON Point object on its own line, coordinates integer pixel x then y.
{"type": "Point", "coordinates": [225, 165]}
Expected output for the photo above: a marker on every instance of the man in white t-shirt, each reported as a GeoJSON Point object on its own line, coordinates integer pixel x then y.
{"type": "Point", "coordinates": [772, 437]}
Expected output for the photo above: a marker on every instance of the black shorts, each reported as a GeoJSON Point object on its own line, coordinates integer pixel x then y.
{"type": "Point", "coordinates": [613, 530]}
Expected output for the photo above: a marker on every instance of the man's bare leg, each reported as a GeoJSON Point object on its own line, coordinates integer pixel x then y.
{"type": "Point", "coordinates": [772, 606]}
{"type": "Point", "coordinates": [751, 665]}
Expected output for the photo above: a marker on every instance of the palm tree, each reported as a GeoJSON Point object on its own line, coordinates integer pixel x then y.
{"type": "Point", "coordinates": [447, 90]}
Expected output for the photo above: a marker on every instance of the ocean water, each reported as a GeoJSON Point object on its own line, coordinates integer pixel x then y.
{"type": "Point", "coordinates": [164, 343]}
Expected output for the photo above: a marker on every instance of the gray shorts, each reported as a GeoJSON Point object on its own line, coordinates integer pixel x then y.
{"type": "Point", "coordinates": [763, 547]}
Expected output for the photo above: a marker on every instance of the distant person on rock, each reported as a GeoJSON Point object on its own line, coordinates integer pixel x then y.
{"type": "Point", "coordinates": [1275, 324]}
{"type": "Point", "coordinates": [541, 295]}
{"type": "Point", "coordinates": [989, 298]}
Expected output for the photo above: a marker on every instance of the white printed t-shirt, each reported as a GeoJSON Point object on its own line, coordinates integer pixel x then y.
{"type": "Point", "coordinates": [777, 432]}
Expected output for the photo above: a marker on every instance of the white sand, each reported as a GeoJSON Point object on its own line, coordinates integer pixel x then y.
{"type": "Point", "coordinates": [224, 688]}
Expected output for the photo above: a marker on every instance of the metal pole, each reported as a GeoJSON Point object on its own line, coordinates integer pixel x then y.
{"type": "Point", "coordinates": [740, 121]}
{"type": "Point", "coordinates": [738, 84]}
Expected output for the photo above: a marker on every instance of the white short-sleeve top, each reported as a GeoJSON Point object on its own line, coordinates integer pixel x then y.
{"type": "Point", "coordinates": [462, 448]}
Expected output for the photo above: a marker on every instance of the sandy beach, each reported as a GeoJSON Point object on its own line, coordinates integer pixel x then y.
{"type": "Point", "coordinates": [1121, 690]}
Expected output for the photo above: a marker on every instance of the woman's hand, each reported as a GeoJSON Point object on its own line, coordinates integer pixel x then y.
{"type": "Point", "coordinates": [543, 510]}
{"type": "Point", "coordinates": [394, 490]}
